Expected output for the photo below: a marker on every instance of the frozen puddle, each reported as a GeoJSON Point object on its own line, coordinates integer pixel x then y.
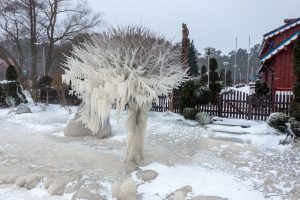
{"type": "Point", "coordinates": [204, 182]}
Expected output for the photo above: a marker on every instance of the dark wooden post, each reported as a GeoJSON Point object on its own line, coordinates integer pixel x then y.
{"type": "Point", "coordinates": [220, 105]}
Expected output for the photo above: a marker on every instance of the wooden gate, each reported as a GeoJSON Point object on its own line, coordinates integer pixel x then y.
{"type": "Point", "coordinates": [233, 104]}
{"type": "Point", "coordinates": [236, 104]}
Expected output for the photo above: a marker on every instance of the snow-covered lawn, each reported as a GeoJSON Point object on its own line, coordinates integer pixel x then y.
{"type": "Point", "coordinates": [216, 161]}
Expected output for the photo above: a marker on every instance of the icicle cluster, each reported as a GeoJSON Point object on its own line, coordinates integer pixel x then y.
{"type": "Point", "coordinates": [122, 65]}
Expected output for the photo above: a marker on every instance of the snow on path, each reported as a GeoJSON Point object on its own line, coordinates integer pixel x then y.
{"type": "Point", "coordinates": [179, 150]}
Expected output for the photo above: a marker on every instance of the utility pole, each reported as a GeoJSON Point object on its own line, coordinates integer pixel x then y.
{"type": "Point", "coordinates": [208, 57]}
{"type": "Point", "coordinates": [235, 65]}
{"type": "Point", "coordinates": [225, 64]}
{"type": "Point", "coordinates": [248, 61]}
{"type": "Point", "coordinates": [252, 71]}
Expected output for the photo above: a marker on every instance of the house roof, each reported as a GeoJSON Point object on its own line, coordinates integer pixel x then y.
{"type": "Point", "coordinates": [282, 28]}
{"type": "Point", "coordinates": [277, 49]}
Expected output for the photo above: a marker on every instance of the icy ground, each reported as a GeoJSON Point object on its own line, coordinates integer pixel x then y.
{"type": "Point", "coordinates": [213, 162]}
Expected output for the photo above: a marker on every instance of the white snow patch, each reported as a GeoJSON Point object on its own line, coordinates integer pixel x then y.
{"type": "Point", "coordinates": [257, 133]}
{"type": "Point", "coordinates": [12, 192]}
{"type": "Point", "coordinates": [203, 181]}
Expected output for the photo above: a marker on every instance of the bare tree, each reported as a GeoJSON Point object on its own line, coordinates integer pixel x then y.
{"type": "Point", "coordinates": [127, 65]}
{"type": "Point", "coordinates": [19, 23]}
{"type": "Point", "coordinates": [41, 21]}
{"type": "Point", "coordinates": [65, 19]}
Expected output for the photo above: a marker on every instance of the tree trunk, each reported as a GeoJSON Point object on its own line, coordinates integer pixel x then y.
{"type": "Point", "coordinates": [49, 58]}
{"type": "Point", "coordinates": [33, 40]}
{"type": "Point", "coordinates": [171, 108]}
{"type": "Point", "coordinates": [63, 97]}
{"type": "Point", "coordinates": [59, 96]}
{"type": "Point", "coordinates": [47, 98]}
{"type": "Point", "coordinates": [136, 125]}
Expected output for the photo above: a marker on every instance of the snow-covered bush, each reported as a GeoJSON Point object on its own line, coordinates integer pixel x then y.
{"type": "Point", "coordinates": [203, 118]}
{"type": "Point", "coordinates": [295, 126]}
{"type": "Point", "coordinates": [11, 94]}
{"type": "Point", "coordinates": [277, 120]}
{"type": "Point", "coordinates": [190, 113]}
{"type": "Point", "coordinates": [125, 65]}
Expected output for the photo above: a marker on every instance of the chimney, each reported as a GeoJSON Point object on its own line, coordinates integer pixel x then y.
{"type": "Point", "coordinates": [286, 21]}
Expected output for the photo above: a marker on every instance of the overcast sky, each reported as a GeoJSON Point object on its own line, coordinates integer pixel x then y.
{"type": "Point", "coordinates": [213, 23]}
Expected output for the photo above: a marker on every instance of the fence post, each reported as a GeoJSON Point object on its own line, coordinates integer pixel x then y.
{"type": "Point", "coordinates": [249, 108]}
{"type": "Point", "coordinates": [170, 105]}
{"type": "Point", "coordinates": [220, 105]}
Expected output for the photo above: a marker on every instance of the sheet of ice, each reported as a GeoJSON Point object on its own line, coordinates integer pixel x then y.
{"type": "Point", "coordinates": [32, 143]}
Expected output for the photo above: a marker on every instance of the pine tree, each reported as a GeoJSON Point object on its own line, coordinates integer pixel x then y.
{"type": "Point", "coordinates": [187, 94]}
{"type": "Point", "coordinates": [214, 79]}
{"type": "Point", "coordinates": [296, 88]}
{"type": "Point", "coordinates": [11, 73]}
{"type": "Point", "coordinates": [213, 64]}
{"type": "Point", "coordinates": [203, 76]}
{"type": "Point", "coordinates": [295, 104]}
{"type": "Point", "coordinates": [193, 63]}
{"type": "Point", "coordinates": [222, 77]}
{"type": "Point", "coordinates": [187, 89]}
{"type": "Point", "coordinates": [203, 69]}
{"type": "Point", "coordinates": [228, 78]}
{"type": "Point", "coordinates": [297, 58]}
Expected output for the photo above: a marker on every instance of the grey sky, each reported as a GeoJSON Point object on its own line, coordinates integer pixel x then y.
{"type": "Point", "coordinates": [213, 23]}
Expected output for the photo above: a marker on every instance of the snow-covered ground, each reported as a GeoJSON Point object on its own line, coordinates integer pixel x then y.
{"type": "Point", "coordinates": [216, 160]}
{"type": "Point", "coordinates": [244, 88]}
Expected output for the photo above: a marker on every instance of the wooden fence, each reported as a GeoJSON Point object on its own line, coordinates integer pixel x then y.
{"type": "Point", "coordinates": [235, 104]}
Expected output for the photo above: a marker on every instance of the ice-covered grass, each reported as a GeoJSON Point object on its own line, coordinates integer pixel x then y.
{"type": "Point", "coordinates": [211, 160]}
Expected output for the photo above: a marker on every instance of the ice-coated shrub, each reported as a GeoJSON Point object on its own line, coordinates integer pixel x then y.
{"type": "Point", "coordinates": [295, 126]}
{"type": "Point", "coordinates": [10, 91]}
{"type": "Point", "coordinates": [190, 113]}
{"type": "Point", "coordinates": [203, 118]}
{"type": "Point", "coordinates": [277, 120]}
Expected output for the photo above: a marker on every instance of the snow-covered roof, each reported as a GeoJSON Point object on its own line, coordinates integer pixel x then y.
{"type": "Point", "coordinates": [282, 28]}
{"type": "Point", "coordinates": [279, 47]}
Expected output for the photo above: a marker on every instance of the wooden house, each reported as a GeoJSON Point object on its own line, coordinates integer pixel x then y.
{"type": "Point", "coordinates": [276, 56]}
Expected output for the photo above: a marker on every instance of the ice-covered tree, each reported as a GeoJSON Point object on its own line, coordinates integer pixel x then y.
{"type": "Point", "coordinates": [125, 65]}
